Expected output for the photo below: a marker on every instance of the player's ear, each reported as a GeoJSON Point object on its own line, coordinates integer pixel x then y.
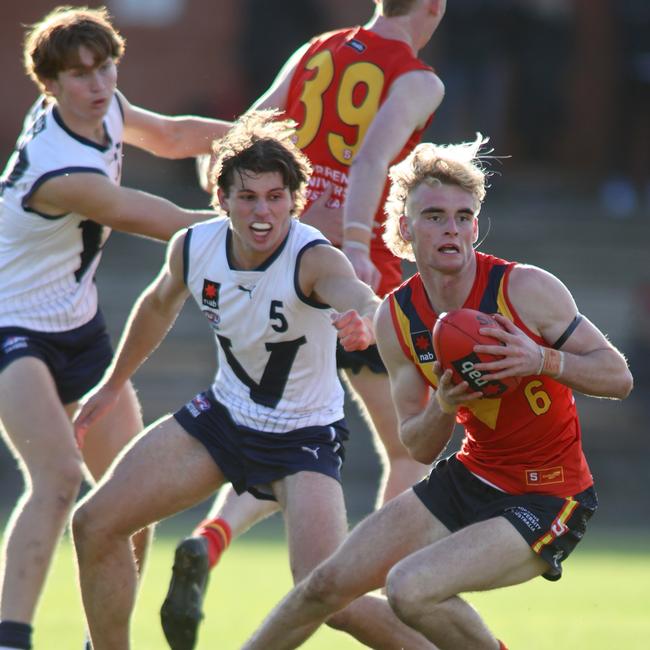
{"type": "Point", "coordinates": [405, 228]}
{"type": "Point", "coordinates": [223, 200]}
{"type": "Point", "coordinates": [49, 86]}
{"type": "Point", "coordinates": [475, 230]}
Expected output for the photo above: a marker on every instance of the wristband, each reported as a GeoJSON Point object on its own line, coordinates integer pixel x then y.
{"type": "Point", "coordinates": [541, 360]}
{"type": "Point", "coordinates": [552, 362]}
{"type": "Point", "coordinates": [357, 224]}
{"type": "Point", "coordinates": [358, 245]}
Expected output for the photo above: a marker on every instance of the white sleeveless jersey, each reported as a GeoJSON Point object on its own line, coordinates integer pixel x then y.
{"type": "Point", "coordinates": [277, 348]}
{"type": "Point", "coordinates": [48, 263]}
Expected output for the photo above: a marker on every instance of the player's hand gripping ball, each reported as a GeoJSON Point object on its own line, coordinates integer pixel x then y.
{"type": "Point", "coordinates": [454, 336]}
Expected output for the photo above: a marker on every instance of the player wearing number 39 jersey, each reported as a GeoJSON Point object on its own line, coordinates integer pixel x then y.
{"type": "Point", "coordinates": [335, 93]}
{"type": "Point", "coordinates": [60, 196]}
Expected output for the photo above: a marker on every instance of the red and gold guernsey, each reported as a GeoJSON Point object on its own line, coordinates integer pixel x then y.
{"type": "Point", "coordinates": [527, 441]}
{"type": "Point", "coordinates": [334, 94]}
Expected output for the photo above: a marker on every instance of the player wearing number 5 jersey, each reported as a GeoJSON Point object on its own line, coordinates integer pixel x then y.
{"type": "Point", "coordinates": [361, 99]}
{"type": "Point", "coordinates": [272, 422]}
{"type": "Point", "coordinates": [60, 196]}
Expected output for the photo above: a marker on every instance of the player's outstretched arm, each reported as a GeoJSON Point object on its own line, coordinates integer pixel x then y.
{"type": "Point", "coordinates": [327, 276]}
{"type": "Point", "coordinates": [170, 136]}
{"type": "Point", "coordinates": [151, 318]}
{"type": "Point", "coordinates": [94, 196]}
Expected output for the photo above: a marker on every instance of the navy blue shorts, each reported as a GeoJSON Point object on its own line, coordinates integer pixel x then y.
{"type": "Point", "coordinates": [76, 358]}
{"type": "Point", "coordinates": [552, 526]}
{"type": "Point", "coordinates": [355, 361]}
{"type": "Point", "coordinates": [252, 459]}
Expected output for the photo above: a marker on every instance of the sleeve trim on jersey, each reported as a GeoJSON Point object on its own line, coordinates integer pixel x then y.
{"type": "Point", "coordinates": [398, 330]}
{"type": "Point", "coordinates": [53, 174]}
{"type": "Point", "coordinates": [80, 138]}
{"type": "Point", "coordinates": [567, 332]}
{"type": "Point", "coordinates": [186, 256]}
{"type": "Point", "coordinates": [296, 284]}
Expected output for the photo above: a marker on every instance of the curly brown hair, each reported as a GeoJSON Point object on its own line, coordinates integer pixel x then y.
{"type": "Point", "coordinates": [259, 142]}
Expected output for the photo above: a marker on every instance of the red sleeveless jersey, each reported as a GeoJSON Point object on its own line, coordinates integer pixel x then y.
{"type": "Point", "coordinates": [334, 94]}
{"type": "Point", "coordinates": [527, 441]}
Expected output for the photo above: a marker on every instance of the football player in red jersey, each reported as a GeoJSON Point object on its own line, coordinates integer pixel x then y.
{"type": "Point", "coordinates": [361, 99]}
{"type": "Point", "coordinates": [515, 500]}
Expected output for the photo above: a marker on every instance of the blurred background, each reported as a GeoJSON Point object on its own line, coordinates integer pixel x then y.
{"type": "Point", "coordinates": [561, 87]}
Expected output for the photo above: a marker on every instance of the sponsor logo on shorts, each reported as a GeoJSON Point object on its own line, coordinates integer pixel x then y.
{"type": "Point", "coordinates": [210, 293]}
{"type": "Point", "coordinates": [199, 404]}
{"type": "Point", "coordinates": [12, 343]}
{"type": "Point", "coordinates": [529, 518]}
{"type": "Point", "coordinates": [545, 476]}
{"type": "Point", "coordinates": [311, 450]}
{"type": "Point", "coordinates": [423, 346]}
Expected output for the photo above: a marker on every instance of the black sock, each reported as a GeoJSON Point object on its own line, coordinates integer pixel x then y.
{"type": "Point", "coordinates": [16, 635]}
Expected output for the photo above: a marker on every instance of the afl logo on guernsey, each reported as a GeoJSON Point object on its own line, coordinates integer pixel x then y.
{"type": "Point", "coordinates": [210, 293]}
{"type": "Point", "coordinates": [423, 346]}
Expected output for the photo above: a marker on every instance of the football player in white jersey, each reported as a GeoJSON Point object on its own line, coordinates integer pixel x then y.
{"type": "Point", "coordinates": [59, 198]}
{"type": "Point", "coordinates": [276, 295]}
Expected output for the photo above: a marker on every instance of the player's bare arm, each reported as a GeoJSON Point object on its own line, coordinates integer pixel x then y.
{"type": "Point", "coordinates": [586, 361]}
{"type": "Point", "coordinates": [425, 428]}
{"type": "Point", "coordinates": [327, 276]}
{"type": "Point", "coordinates": [151, 318]}
{"type": "Point", "coordinates": [181, 136]}
{"type": "Point", "coordinates": [385, 138]}
{"type": "Point", "coordinates": [97, 198]}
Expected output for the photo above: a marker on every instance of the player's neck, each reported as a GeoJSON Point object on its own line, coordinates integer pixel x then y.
{"type": "Point", "coordinates": [92, 130]}
{"type": "Point", "coordinates": [391, 28]}
{"type": "Point", "coordinates": [447, 291]}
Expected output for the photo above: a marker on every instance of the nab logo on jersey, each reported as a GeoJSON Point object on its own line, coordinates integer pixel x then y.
{"type": "Point", "coordinates": [423, 346]}
{"type": "Point", "coordinates": [210, 293]}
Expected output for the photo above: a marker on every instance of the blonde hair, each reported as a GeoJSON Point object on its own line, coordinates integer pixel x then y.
{"type": "Point", "coordinates": [453, 164]}
{"type": "Point", "coordinates": [52, 44]}
{"type": "Point", "coordinates": [259, 142]}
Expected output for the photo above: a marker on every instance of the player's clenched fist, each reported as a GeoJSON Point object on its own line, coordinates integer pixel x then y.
{"type": "Point", "coordinates": [355, 332]}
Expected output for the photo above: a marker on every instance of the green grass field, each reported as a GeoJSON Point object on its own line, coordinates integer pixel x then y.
{"type": "Point", "coordinates": [602, 602]}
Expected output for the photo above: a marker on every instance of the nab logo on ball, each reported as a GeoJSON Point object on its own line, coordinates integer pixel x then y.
{"type": "Point", "coordinates": [465, 368]}
{"type": "Point", "coordinates": [423, 346]}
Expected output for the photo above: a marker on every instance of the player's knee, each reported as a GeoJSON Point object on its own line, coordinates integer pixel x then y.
{"type": "Point", "coordinates": [59, 484]}
{"type": "Point", "coordinates": [322, 587]}
{"type": "Point", "coordinates": [403, 594]}
{"type": "Point", "coordinates": [90, 529]}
